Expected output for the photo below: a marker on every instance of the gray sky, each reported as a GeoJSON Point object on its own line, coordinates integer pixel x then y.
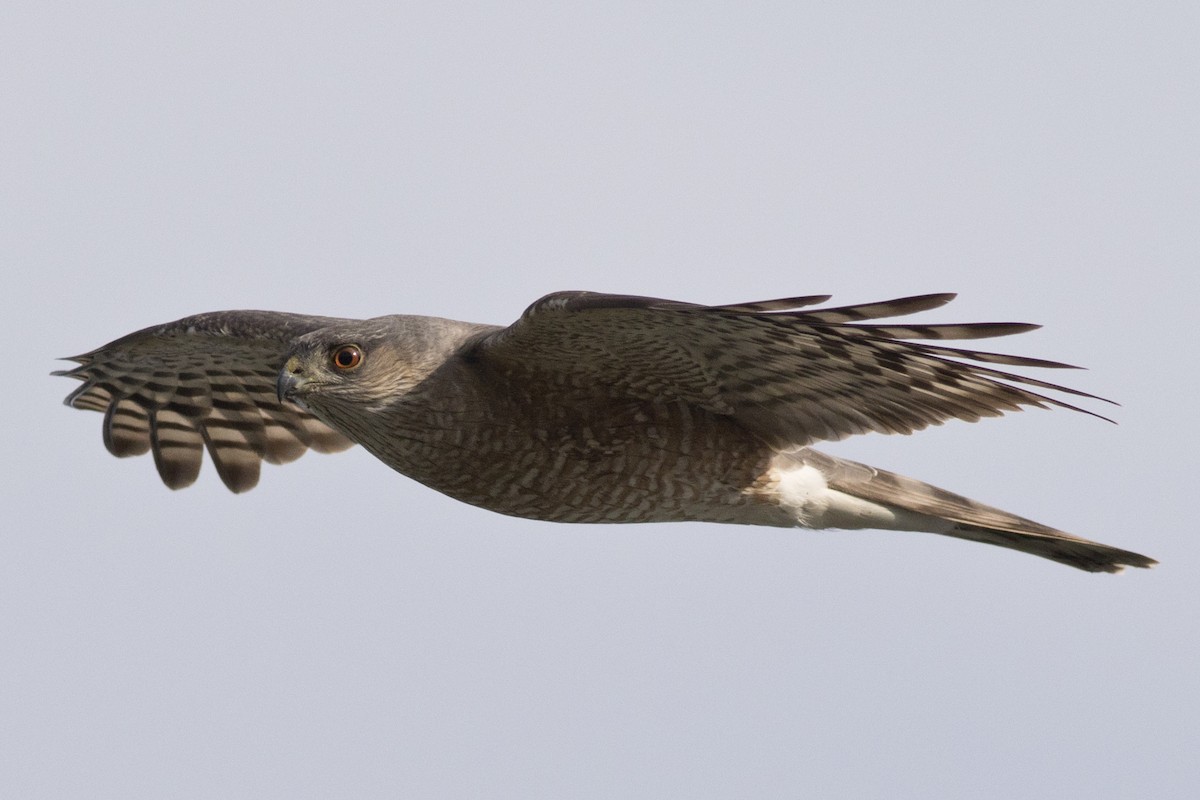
{"type": "Point", "coordinates": [343, 631]}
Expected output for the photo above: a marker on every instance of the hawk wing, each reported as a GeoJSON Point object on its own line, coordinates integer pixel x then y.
{"type": "Point", "coordinates": [206, 381]}
{"type": "Point", "coordinates": [791, 376]}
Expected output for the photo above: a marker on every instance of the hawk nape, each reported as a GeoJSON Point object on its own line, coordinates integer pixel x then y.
{"type": "Point", "coordinates": [589, 408]}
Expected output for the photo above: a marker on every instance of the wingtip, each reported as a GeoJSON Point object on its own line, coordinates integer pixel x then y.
{"type": "Point", "coordinates": [72, 372]}
{"type": "Point", "coordinates": [939, 298]}
{"type": "Point", "coordinates": [1014, 328]}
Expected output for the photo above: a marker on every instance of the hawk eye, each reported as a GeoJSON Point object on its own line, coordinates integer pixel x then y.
{"type": "Point", "coordinates": [347, 357]}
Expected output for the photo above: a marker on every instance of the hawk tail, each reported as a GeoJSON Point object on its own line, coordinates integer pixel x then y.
{"type": "Point", "coordinates": [900, 503]}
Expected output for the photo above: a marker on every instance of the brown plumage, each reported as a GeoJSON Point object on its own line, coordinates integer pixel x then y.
{"type": "Point", "coordinates": [589, 408]}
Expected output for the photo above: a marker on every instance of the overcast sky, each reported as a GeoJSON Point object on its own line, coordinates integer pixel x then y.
{"type": "Point", "coordinates": [343, 631]}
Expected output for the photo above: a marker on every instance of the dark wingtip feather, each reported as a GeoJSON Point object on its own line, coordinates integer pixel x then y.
{"type": "Point", "coordinates": [939, 298]}
{"type": "Point", "coordinates": [969, 330]}
{"type": "Point", "coordinates": [176, 476]}
{"type": "Point", "coordinates": [79, 371]}
{"type": "Point", "coordinates": [898, 307]}
{"type": "Point", "coordinates": [772, 306]}
{"type": "Point", "coordinates": [919, 302]}
{"type": "Point", "coordinates": [238, 476]}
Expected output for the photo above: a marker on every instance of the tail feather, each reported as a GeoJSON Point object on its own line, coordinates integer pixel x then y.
{"type": "Point", "coordinates": [969, 519]}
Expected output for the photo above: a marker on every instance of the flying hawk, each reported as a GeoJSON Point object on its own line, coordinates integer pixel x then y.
{"type": "Point", "coordinates": [589, 408]}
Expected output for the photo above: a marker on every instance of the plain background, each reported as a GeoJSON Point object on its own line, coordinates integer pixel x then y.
{"type": "Point", "coordinates": [344, 632]}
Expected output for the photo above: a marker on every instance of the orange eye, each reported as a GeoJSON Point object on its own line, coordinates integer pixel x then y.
{"type": "Point", "coordinates": [347, 357]}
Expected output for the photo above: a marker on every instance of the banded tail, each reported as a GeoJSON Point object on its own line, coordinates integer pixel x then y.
{"type": "Point", "coordinates": [828, 492]}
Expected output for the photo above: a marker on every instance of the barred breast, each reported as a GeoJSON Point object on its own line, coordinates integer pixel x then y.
{"type": "Point", "coordinates": [569, 453]}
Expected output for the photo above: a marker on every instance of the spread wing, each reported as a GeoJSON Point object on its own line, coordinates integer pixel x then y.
{"type": "Point", "coordinates": [792, 376]}
{"type": "Point", "coordinates": [206, 381]}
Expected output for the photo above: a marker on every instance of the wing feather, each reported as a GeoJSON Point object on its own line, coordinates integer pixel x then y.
{"type": "Point", "coordinates": [177, 447]}
{"type": "Point", "coordinates": [791, 376]}
{"type": "Point", "coordinates": [205, 382]}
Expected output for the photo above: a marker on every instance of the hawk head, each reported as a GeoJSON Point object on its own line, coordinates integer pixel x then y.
{"type": "Point", "coordinates": [359, 366]}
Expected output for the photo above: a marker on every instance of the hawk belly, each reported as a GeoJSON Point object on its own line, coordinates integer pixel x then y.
{"type": "Point", "coordinates": [615, 461]}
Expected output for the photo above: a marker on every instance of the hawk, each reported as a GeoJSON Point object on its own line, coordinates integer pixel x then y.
{"type": "Point", "coordinates": [589, 408]}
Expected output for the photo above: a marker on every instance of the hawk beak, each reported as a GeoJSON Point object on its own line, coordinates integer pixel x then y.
{"type": "Point", "coordinates": [291, 379]}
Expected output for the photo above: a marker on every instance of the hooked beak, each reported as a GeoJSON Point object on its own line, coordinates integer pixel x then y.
{"type": "Point", "coordinates": [291, 379]}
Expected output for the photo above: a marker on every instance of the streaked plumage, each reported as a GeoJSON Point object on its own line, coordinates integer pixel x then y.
{"type": "Point", "coordinates": [589, 408]}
